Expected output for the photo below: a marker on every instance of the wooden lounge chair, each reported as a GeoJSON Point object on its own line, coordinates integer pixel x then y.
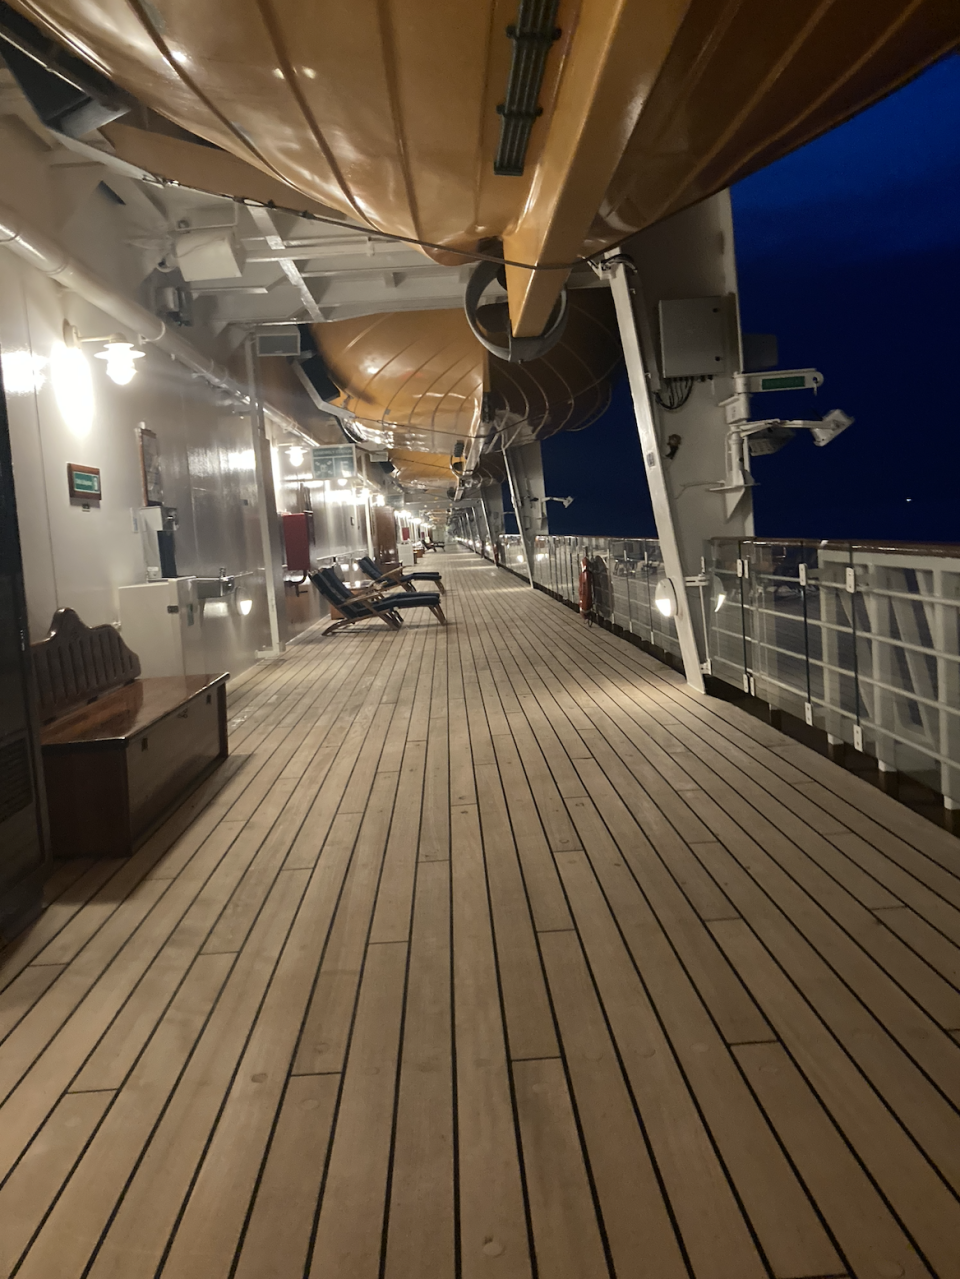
{"type": "Point", "coordinates": [397, 577]}
{"type": "Point", "coordinates": [363, 605]}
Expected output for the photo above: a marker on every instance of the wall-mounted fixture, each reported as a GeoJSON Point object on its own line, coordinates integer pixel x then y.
{"type": "Point", "coordinates": [120, 357]}
{"type": "Point", "coordinates": [296, 455]}
{"type": "Point", "coordinates": [665, 598]}
{"type": "Point", "coordinates": [72, 387]}
{"type": "Point", "coordinates": [119, 354]}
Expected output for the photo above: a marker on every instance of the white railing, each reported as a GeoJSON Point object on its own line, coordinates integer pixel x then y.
{"type": "Point", "coordinates": [861, 640]}
{"type": "Point", "coordinates": [624, 574]}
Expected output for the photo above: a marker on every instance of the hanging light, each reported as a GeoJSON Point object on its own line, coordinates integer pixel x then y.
{"type": "Point", "coordinates": [121, 360]}
{"type": "Point", "coordinates": [245, 606]}
{"type": "Point", "coordinates": [665, 598]}
{"type": "Point", "coordinates": [295, 454]}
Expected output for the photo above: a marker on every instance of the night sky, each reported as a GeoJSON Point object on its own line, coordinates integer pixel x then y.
{"type": "Point", "coordinates": [848, 250]}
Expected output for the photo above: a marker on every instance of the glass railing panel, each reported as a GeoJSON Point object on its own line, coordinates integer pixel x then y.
{"type": "Point", "coordinates": [726, 644]}
{"type": "Point", "coordinates": [908, 657]}
{"type": "Point", "coordinates": [774, 588]}
{"type": "Point", "coordinates": [832, 612]}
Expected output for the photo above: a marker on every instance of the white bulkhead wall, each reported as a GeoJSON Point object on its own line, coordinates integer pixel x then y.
{"type": "Point", "coordinates": [79, 554]}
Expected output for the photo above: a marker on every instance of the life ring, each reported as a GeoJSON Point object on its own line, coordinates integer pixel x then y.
{"type": "Point", "coordinates": [586, 588]}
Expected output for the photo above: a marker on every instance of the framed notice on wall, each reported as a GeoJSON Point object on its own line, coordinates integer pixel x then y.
{"type": "Point", "coordinates": [84, 482]}
{"type": "Point", "coordinates": [335, 462]}
{"type": "Point", "coordinates": [150, 468]}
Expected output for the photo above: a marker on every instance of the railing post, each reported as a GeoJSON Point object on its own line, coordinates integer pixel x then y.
{"type": "Point", "coordinates": [659, 495]}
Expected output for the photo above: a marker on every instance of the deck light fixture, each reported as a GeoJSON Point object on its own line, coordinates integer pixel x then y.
{"type": "Point", "coordinates": [665, 598]}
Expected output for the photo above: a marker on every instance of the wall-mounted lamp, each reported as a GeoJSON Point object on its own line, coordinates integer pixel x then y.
{"type": "Point", "coordinates": [72, 386]}
{"type": "Point", "coordinates": [119, 354]}
{"type": "Point", "coordinates": [244, 606]}
{"type": "Point", "coordinates": [120, 358]}
{"type": "Point", "coordinates": [665, 598]}
{"type": "Point", "coordinates": [295, 454]}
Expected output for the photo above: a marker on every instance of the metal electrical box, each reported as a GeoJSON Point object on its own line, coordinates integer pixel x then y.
{"type": "Point", "coordinates": [693, 336]}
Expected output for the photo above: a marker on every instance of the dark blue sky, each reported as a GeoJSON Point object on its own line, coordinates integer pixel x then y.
{"type": "Point", "coordinates": [848, 250]}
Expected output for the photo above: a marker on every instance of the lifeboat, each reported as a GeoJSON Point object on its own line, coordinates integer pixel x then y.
{"type": "Point", "coordinates": [422, 386]}
{"type": "Point", "coordinates": [540, 132]}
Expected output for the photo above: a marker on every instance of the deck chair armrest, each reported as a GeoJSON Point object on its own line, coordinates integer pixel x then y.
{"type": "Point", "coordinates": [371, 592]}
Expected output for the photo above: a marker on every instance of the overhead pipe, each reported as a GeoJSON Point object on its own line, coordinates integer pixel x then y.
{"type": "Point", "coordinates": [38, 250]}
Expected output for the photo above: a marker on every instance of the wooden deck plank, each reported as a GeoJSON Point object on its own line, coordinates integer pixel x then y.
{"type": "Point", "coordinates": [392, 915]}
{"type": "Point", "coordinates": [421, 1236]}
{"type": "Point", "coordinates": [140, 1231]}
{"type": "Point", "coordinates": [493, 1226]}
{"type": "Point", "coordinates": [816, 950]}
{"type": "Point", "coordinates": [24, 949]}
{"type": "Point", "coordinates": [72, 1231]}
{"type": "Point", "coordinates": [865, 1229]}
{"type": "Point", "coordinates": [914, 1189]}
{"type": "Point", "coordinates": [526, 1006]}
{"type": "Point", "coordinates": [45, 1166]}
{"type": "Point", "coordinates": [775, 1203]}
{"type": "Point", "coordinates": [566, 1236]}
{"type": "Point", "coordinates": [213, 1217]}
{"type": "Point", "coordinates": [276, 1242]}
{"type": "Point", "coordinates": [23, 992]}
{"type": "Point", "coordinates": [714, 1233]}
{"type": "Point", "coordinates": [637, 1223]}
{"type": "Point", "coordinates": [721, 990]}
{"type": "Point", "coordinates": [326, 1030]}
{"type": "Point", "coordinates": [602, 977]}
{"type": "Point", "coordinates": [350, 1226]}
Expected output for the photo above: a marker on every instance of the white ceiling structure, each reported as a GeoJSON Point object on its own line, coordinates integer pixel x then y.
{"type": "Point", "coordinates": [290, 269]}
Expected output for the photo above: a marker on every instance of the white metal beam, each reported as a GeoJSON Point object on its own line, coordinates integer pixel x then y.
{"type": "Point", "coordinates": [263, 219]}
{"type": "Point", "coordinates": [516, 498]}
{"type": "Point", "coordinates": [617, 273]}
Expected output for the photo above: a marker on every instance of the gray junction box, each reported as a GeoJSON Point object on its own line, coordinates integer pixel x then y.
{"type": "Point", "coordinates": [693, 337]}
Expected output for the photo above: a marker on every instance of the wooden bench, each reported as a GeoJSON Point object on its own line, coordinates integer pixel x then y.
{"type": "Point", "coordinates": [118, 751]}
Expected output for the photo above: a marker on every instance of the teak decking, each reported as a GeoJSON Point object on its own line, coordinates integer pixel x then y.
{"type": "Point", "coordinates": [492, 951]}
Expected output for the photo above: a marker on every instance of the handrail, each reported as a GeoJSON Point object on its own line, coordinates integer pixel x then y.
{"type": "Point", "coordinates": [875, 664]}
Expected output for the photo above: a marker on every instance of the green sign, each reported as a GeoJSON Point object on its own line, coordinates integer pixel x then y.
{"type": "Point", "coordinates": [86, 482]}
{"type": "Point", "coordinates": [334, 462]}
{"type": "Point", "coordinates": [782, 383]}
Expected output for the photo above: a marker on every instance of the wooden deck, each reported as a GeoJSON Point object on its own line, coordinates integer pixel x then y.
{"type": "Point", "coordinates": [492, 951]}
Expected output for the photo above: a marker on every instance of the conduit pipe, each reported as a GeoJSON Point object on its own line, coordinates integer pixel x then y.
{"type": "Point", "coordinates": [45, 255]}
